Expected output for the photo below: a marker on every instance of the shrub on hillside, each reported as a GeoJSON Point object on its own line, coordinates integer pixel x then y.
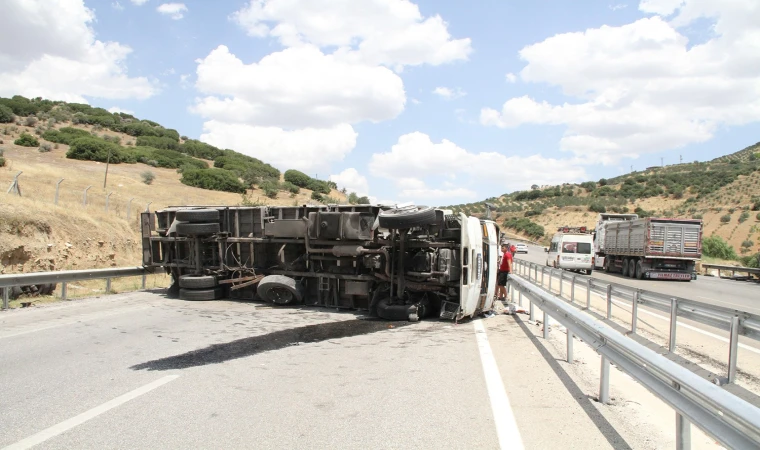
{"type": "Point", "coordinates": [169, 159]}
{"type": "Point", "coordinates": [743, 217]}
{"type": "Point", "coordinates": [318, 186]}
{"type": "Point", "coordinates": [200, 149]}
{"type": "Point", "coordinates": [597, 207]}
{"type": "Point", "coordinates": [353, 198]}
{"type": "Point", "coordinates": [364, 200]}
{"type": "Point", "coordinates": [6, 114]}
{"type": "Point", "coordinates": [525, 226]}
{"type": "Point", "coordinates": [157, 142]}
{"type": "Point", "coordinates": [147, 177]}
{"type": "Point", "coordinates": [716, 247]}
{"type": "Point", "coordinates": [212, 179]}
{"type": "Point", "coordinates": [27, 140]}
{"type": "Point", "coordinates": [298, 178]}
{"type": "Point", "coordinates": [316, 196]}
{"type": "Point", "coordinates": [290, 187]}
{"type": "Point", "coordinates": [65, 135]}
{"type": "Point", "coordinates": [44, 148]}
{"type": "Point", "coordinates": [30, 121]}
{"type": "Point", "coordinates": [95, 149]}
{"type": "Point", "coordinates": [270, 188]}
{"type": "Point", "coordinates": [2, 161]}
{"type": "Point", "coordinates": [725, 218]}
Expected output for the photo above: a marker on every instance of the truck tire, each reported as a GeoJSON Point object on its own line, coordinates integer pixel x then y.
{"type": "Point", "coordinates": [632, 267]}
{"type": "Point", "coordinates": [639, 271]}
{"type": "Point", "coordinates": [396, 312]}
{"type": "Point", "coordinates": [624, 272]}
{"type": "Point", "coordinates": [198, 215]}
{"type": "Point", "coordinates": [280, 290]}
{"type": "Point", "coordinates": [607, 264]}
{"type": "Point", "coordinates": [407, 217]}
{"type": "Point", "coordinates": [197, 281]}
{"type": "Point", "coordinates": [200, 294]}
{"type": "Point", "coordinates": [197, 229]}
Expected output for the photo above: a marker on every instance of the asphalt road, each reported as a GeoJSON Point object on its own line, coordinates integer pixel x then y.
{"type": "Point", "coordinates": [142, 371]}
{"type": "Point", "coordinates": [740, 295]}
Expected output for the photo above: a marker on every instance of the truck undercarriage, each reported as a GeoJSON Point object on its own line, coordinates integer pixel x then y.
{"type": "Point", "coordinates": [396, 263]}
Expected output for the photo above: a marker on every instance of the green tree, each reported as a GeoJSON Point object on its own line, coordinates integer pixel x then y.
{"type": "Point", "coordinates": [212, 179]}
{"type": "Point", "coordinates": [716, 247]}
{"type": "Point", "coordinates": [298, 178]}
{"type": "Point", "coordinates": [6, 114]}
{"type": "Point", "coordinates": [364, 200]}
{"type": "Point", "coordinates": [353, 198]}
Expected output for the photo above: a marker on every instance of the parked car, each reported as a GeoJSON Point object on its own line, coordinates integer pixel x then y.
{"type": "Point", "coordinates": [521, 248]}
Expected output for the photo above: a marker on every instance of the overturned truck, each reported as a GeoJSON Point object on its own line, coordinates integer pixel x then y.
{"type": "Point", "coordinates": [398, 263]}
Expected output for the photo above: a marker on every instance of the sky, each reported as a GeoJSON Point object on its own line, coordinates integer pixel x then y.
{"type": "Point", "coordinates": [430, 101]}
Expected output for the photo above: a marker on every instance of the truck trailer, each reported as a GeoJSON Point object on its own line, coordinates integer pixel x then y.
{"type": "Point", "coordinates": [600, 231]}
{"type": "Point", "coordinates": [653, 248]}
{"type": "Point", "coordinates": [397, 263]}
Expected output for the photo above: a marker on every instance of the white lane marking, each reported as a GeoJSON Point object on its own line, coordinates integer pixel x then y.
{"type": "Point", "coordinates": [504, 418]}
{"type": "Point", "coordinates": [66, 425]}
{"type": "Point", "coordinates": [82, 318]}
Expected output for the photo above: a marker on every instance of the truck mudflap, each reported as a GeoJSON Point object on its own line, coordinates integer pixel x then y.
{"type": "Point", "coordinates": [653, 275]}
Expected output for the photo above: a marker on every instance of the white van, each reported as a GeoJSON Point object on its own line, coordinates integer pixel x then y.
{"type": "Point", "coordinates": [572, 249]}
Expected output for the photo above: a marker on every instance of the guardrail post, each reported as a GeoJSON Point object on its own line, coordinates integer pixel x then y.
{"type": "Point", "coordinates": [108, 285]}
{"type": "Point", "coordinates": [609, 301]}
{"type": "Point", "coordinates": [635, 310]}
{"type": "Point", "coordinates": [84, 196]}
{"type": "Point", "coordinates": [589, 282]}
{"type": "Point", "coordinates": [532, 316]}
{"type": "Point", "coordinates": [5, 297]}
{"type": "Point", "coordinates": [569, 347]}
{"type": "Point", "coordinates": [683, 432]}
{"type": "Point", "coordinates": [546, 325]}
{"type": "Point", "coordinates": [673, 323]}
{"type": "Point", "coordinates": [143, 280]}
{"type": "Point", "coordinates": [561, 281]}
{"type": "Point", "coordinates": [572, 289]}
{"type": "Point", "coordinates": [519, 298]}
{"type": "Point", "coordinates": [542, 277]}
{"type": "Point", "coordinates": [604, 381]}
{"type": "Point", "coordinates": [733, 348]}
{"type": "Point", "coordinates": [64, 290]}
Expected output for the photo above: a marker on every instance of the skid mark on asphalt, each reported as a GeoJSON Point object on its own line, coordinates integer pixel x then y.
{"type": "Point", "coordinates": [276, 340]}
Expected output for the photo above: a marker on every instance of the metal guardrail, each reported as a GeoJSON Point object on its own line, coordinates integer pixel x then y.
{"type": "Point", "coordinates": [732, 421]}
{"type": "Point", "coordinates": [736, 322]}
{"type": "Point", "coordinates": [65, 276]}
{"type": "Point", "coordinates": [732, 269]}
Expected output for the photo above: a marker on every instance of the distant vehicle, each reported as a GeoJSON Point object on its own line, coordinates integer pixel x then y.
{"type": "Point", "coordinates": [599, 232]}
{"type": "Point", "coordinates": [572, 249]}
{"type": "Point", "coordinates": [521, 248]}
{"type": "Point", "coordinates": [653, 248]}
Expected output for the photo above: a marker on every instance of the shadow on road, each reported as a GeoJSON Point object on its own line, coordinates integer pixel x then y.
{"type": "Point", "coordinates": [241, 348]}
{"type": "Point", "coordinates": [584, 400]}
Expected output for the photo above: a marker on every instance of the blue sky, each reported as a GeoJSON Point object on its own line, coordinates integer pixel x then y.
{"type": "Point", "coordinates": [438, 102]}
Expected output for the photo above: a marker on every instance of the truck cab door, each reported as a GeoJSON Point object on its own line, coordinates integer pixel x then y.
{"type": "Point", "coordinates": [472, 266]}
{"type": "Point", "coordinates": [490, 268]}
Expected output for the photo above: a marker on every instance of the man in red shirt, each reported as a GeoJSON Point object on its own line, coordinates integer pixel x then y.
{"type": "Point", "coordinates": [504, 268]}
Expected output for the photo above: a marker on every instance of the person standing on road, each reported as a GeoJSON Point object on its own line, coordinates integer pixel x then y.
{"type": "Point", "coordinates": [504, 268]}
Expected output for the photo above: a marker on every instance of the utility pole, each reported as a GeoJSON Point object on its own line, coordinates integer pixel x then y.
{"type": "Point", "coordinates": [631, 168]}
{"type": "Point", "coordinates": [662, 162]}
{"type": "Point", "coordinates": [680, 159]}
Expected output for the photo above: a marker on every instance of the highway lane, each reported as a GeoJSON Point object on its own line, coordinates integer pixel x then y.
{"type": "Point", "coordinates": [142, 371]}
{"type": "Point", "coordinates": [740, 295]}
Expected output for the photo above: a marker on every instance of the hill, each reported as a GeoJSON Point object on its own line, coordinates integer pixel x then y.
{"type": "Point", "coordinates": [148, 166]}
{"type": "Point", "coordinates": [724, 192]}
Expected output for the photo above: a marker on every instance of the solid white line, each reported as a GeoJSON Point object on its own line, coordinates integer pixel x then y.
{"type": "Point", "coordinates": [66, 425]}
{"type": "Point", "coordinates": [504, 418]}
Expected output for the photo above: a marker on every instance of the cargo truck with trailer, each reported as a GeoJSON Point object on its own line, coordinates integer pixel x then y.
{"type": "Point", "coordinates": [653, 248]}
{"type": "Point", "coordinates": [398, 263]}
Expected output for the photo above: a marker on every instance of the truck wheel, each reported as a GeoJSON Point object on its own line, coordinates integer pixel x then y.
{"type": "Point", "coordinates": [624, 272]}
{"type": "Point", "coordinates": [200, 294]}
{"type": "Point", "coordinates": [607, 264]}
{"type": "Point", "coordinates": [198, 215]}
{"type": "Point", "coordinates": [632, 267]}
{"type": "Point", "coordinates": [197, 281]}
{"type": "Point", "coordinates": [395, 312]}
{"type": "Point", "coordinates": [193, 229]}
{"type": "Point", "coordinates": [280, 290]}
{"type": "Point", "coordinates": [639, 271]}
{"type": "Point", "coordinates": [416, 216]}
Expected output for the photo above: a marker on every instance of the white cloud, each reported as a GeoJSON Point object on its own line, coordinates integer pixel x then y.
{"type": "Point", "coordinates": [117, 6]}
{"type": "Point", "coordinates": [618, 6]}
{"type": "Point", "coordinates": [352, 180]}
{"type": "Point", "coordinates": [305, 149]}
{"type": "Point", "coordinates": [391, 32]}
{"type": "Point", "coordinates": [297, 87]}
{"type": "Point", "coordinates": [54, 54]}
{"type": "Point", "coordinates": [174, 10]}
{"type": "Point", "coordinates": [642, 87]}
{"type": "Point", "coordinates": [116, 109]}
{"type": "Point", "coordinates": [415, 156]}
{"type": "Point", "coordinates": [139, 2]}
{"type": "Point", "coordinates": [449, 94]}
{"type": "Point", "coordinates": [510, 77]}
